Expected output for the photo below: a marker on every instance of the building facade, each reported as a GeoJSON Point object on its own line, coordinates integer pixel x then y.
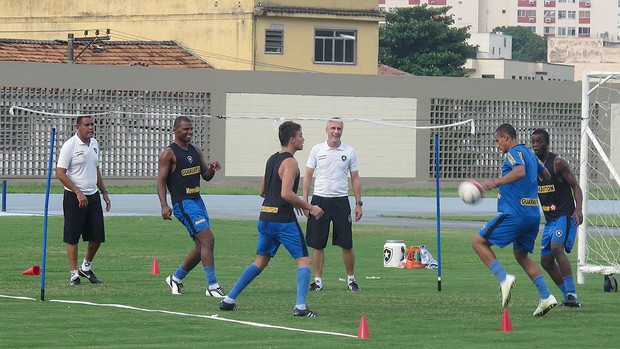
{"type": "Point", "coordinates": [270, 35]}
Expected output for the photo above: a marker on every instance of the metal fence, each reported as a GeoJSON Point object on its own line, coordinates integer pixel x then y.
{"type": "Point", "coordinates": [132, 127]}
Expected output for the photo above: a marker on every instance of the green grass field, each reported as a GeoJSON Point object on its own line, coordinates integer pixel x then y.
{"type": "Point", "coordinates": [403, 308]}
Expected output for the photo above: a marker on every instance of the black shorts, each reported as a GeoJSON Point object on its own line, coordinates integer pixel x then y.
{"type": "Point", "coordinates": [86, 222]}
{"type": "Point", "coordinates": [336, 211]}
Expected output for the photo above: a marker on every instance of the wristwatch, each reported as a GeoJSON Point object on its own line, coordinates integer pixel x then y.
{"type": "Point", "coordinates": [359, 203]}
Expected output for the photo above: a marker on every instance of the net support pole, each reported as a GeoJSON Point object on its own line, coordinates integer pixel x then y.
{"type": "Point", "coordinates": [45, 213]}
{"type": "Point", "coordinates": [437, 196]}
{"type": "Point", "coordinates": [583, 175]}
{"type": "Point", "coordinates": [4, 196]}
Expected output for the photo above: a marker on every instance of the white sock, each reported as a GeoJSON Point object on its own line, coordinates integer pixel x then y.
{"type": "Point", "coordinates": [86, 265]}
{"type": "Point", "coordinates": [318, 281]}
{"type": "Point", "coordinates": [214, 286]}
{"type": "Point", "coordinates": [74, 274]}
{"type": "Point", "coordinates": [350, 278]}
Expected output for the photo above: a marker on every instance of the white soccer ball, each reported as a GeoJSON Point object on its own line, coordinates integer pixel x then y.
{"type": "Point", "coordinates": [471, 192]}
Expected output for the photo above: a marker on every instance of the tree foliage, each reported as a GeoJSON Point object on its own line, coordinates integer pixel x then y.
{"type": "Point", "coordinates": [527, 46]}
{"type": "Point", "coordinates": [419, 40]}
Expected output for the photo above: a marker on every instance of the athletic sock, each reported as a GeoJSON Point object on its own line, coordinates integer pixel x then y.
{"type": "Point", "coordinates": [179, 274]}
{"type": "Point", "coordinates": [210, 273]}
{"type": "Point", "coordinates": [498, 270]}
{"type": "Point", "coordinates": [569, 284]}
{"type": "Point", "coordinates": [562, 288]}
{"type": "Point", "coordinates": [318, 281]}
{"type": "Point", "coordinates": [303, 279]}
{"type": "Point", "coordinates": [249, 274]}
{"type": "Point", "coordinates": [86, 265]}
{"type": "Point", "coordinates": [74, 274]}
{"type": "Point", "coordinates": [350, 278]}
{"type": "Point", "coordinates": [541, 286]}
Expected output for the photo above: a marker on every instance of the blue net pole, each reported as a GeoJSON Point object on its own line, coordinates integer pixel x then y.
{"type": "Point", "coordinates": [45, 214]}
{"type": "Point", "coordinates": [4, 196]}
{"type": "Point", "coordinates": [437, 195]}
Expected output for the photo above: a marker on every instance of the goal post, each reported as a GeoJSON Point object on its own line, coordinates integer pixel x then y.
{"type": "Point", "coordinates": [598, 242]}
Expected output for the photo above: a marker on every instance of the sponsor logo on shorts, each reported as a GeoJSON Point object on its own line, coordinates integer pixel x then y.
{"type": "Point", "coordinates": [202, 220]}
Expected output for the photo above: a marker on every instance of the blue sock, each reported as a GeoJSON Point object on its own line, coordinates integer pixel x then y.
{"type": "Point", "coordinates": [569, 284]}
{"type": "Point", "coordinates": [180, 273]}
{"type": "Point", "coordinates": [562, 288]}
{"type": "Point", "coordinates": [498, 270]}
{"type": "Point", "coordinates": [210, 272]}
{"type": "Point", "coordinates": [541, 285]}
{"type": "Point", "coordinates": [249, 274]}
{"type": "Point", "coordinates": [303, 280]}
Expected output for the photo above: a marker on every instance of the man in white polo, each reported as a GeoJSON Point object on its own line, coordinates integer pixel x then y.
{"type": "Point", "coordinates": [331, 162]}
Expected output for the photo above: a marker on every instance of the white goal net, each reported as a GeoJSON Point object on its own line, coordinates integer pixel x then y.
{"type": "Point", "coordinates": [598, 248]}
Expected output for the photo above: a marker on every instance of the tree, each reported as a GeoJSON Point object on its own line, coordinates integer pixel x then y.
{"type": "Point", "coordinates": [419, 40]}
{"type": "Point", "coordinates": [527, 46]}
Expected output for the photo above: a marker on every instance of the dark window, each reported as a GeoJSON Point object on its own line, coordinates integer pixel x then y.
{"type": "Point", "coordinates": [334, 46]}
{"type": "Point", "coordinates": [274, 41]}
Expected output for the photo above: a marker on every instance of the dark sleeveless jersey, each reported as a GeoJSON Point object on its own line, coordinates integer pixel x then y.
{"type": "Point", "coordinates": [184, 181]}
{"type": "Point", "coordinates": [556, 198]}
{"type": "Point", "coordinates": [276, 209]}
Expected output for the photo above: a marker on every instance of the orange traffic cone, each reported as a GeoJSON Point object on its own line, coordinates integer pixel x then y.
{"type": "Point", "coordinates": [34, 270]}
{"type": "Point", "coordinates": [363, 330]}
{"type": "Point", "coordinates": [155, 269]}
{"type": "Point", "coordinates": [506, 324]}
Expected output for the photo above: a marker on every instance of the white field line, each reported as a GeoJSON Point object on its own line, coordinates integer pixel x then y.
{"type": "Point", "coordinates": [211, 317]}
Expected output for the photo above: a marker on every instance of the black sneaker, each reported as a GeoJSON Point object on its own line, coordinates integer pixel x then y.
{"type": "Point", "coordinates": [228, 306]}
{"type": "Point", "coordinates": [315, 287]}
{"type": "Point", "coordinates": [304, 312]}
{"type": "Point", "coordinates": [75, 281]}
{"type": "Point", "coordinates": [353, 286]}
{"type": "Point", "coordinates": [571, 301]}
{"type": "Point", "coordinates": [89, 275]}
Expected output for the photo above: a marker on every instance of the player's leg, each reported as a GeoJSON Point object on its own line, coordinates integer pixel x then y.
{"type": "Point", "coordinates": [292, 238]}
{"type": "Point", "coordinates": [562, 241]}
{"type": "Point", "coordinates": [547, 259]}
{"type": "Point", "coordinates": [74, 218]}
{"type": "Point", "coordinates": [343, 237]}
{"type": "Point", "coordinates": [317, 233]}
{"type": "Point", "coordinates": [94, 233]}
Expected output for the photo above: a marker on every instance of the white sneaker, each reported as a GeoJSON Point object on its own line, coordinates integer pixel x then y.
{"type": "Point", "coordinates": [216, 292]}
{"type": "Point", "coordinates": [506, 289]}
{"type": "Point", "coordinates": [545, 305]}
{"type": "Point", "coordinates": [174, 286]}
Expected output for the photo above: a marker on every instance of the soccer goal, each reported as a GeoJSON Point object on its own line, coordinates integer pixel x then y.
{"type": "Point", "coordinates": [598, 246]}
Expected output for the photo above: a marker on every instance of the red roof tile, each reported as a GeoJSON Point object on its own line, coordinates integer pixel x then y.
{"type": "Point", "coordinates": [143, 53]}
{"type": "Point", "coordinates": [387, 70]}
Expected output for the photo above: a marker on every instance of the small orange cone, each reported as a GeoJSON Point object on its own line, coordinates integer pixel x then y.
{"type": "Point", "coordinates": [34, 270]}
{"type": "Point", "coordinates": [506, 324]}
{"type": "Point", "coordinates": [155, 269]}
{"type": "Point", "coordinates": [363, 330]}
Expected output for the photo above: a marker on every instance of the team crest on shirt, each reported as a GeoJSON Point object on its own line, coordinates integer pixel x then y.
{"type": "Point", "coordinates": [559, 233]}
{"type": "Point", "coordinates": [344, 158]}
{"type": "Point", "coordinates": [190, 159]}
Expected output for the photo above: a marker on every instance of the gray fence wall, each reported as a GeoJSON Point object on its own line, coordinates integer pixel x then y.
{"type": "Point", "coordinates": [138, 105]}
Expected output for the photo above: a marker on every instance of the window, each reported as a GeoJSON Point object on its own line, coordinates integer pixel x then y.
{"type": "Point", "coordinates": [531, 13]}
{"type": "Point", "coordinates": [334, 46]}
{"type": "Point", "coordinates": [274, 41]}
{"type": "Point", "coordinates": [561, 14]}
{"type": "Point", "coordinates": [570, 31]}
{"type": "Point", "coordinates": [584, 31]}
{"type": "Point", "coordinates": [562, 31]}
{"type": "Point", "coordinates": [584, 14]}
{"type": "Point", "coordinates": [521, 13]}
{"type": "Point", "coordinates": [572, 14]}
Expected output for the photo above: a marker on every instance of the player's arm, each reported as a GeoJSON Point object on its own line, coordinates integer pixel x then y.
{"type": "Point", "coordinates": [307, 183]}
{"type": "Point", "coordinates": [517, 173]}
{"type": "Point", "coordinates": [61, 174]}
{"type": "Point", "coordinates": [287, 172]}
{"type": "Point", "coordinates": [262, 188]}
{"type": "Point", "coordinates": [103, 190]}
{"type": "Point", "coordinates": [207, 171]}
{"type": "Point", "coordinates": [356, 183]}
{"type": "Point", "coordinates": [562, 169]}
{"type": "Point", "coordinates": [167, 161]}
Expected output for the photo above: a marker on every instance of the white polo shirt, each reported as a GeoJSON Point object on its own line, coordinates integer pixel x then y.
{"type": "Point", "coordinates": [81, 161]}
{"type": "Point", "coordinates": [332, 168]}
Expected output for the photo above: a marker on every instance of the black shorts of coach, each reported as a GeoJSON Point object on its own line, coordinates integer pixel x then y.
{"type": "Point", "coordinates": [86, 222]}
{"type": "Point", "coordinates": [336, 211]}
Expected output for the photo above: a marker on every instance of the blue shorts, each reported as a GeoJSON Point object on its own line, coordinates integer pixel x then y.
{"type": "Point", "coordinates": [272, 234]}
{"type": "Point", "coordinates": [193, 214]}
{"type": "Point", "coordinates": [504, 229]}
{"type": "Point", "coordinates": [562, 230]}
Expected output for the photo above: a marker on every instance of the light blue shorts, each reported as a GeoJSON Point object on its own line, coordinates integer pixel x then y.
{"type": "Point", "coordinates": [289, 234]}
{"type": "Point", "coordinates": [562, 230]}
{"type": "Point", "coordinates": [504, 229]}
{"type": "Point", "coordinates": [193, 214]}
